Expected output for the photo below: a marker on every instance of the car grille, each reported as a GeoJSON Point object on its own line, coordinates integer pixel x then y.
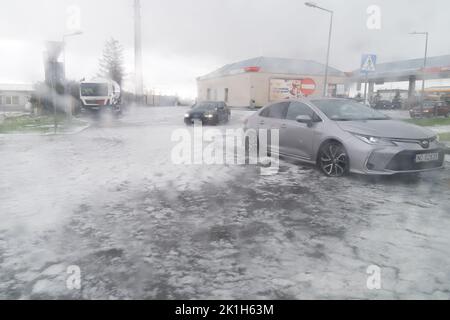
{"type": "Point", "coordinates": [198, 115]}
{"type": "Point", "coordinates": [95, 102]}
{"type": "Point", "coordinates": [406, 160]}
{"type": "Point", "coordinates": [424, 143]}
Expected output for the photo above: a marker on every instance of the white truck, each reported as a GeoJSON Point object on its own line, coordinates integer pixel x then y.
{"type": "Point", "coordinates": [100, 94]}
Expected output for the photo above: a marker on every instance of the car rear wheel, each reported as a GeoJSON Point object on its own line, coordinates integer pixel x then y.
{"type": "Point", "coordinates": [333, 159]}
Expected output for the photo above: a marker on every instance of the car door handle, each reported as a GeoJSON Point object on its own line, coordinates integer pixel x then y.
{"type": "Point", "coordinates": [261, 122]}
{"type": "Point", "coordinates": [284, 126]}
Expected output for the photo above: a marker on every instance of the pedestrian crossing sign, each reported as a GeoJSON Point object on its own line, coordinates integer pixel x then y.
{"type": "Point", "coordinates": [368, 62]}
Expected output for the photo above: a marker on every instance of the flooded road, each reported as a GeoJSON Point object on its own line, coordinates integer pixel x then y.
{"type": "Point", "coordinates": [110, 201]}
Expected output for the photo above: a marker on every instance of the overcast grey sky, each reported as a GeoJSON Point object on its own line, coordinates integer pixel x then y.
{"type": "Point", "coordinates": [184, 39]}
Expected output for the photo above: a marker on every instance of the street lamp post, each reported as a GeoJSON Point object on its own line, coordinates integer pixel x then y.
{"type": "Point", "coordinates": [424, 66]}
{"type": "Point", "coordinates": [325, 84]}
{"type": "Point", "coordinates": [139, 86]}
{"type": "Point", "coordinates": [77, 33]}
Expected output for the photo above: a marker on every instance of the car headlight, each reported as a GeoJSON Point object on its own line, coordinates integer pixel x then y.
{"type": "Point", "coordinates": [209, 115]}
{"type": "Point", "coordinates": [187, 115]}
{"type": "Point", "coordinates": [374, 140]}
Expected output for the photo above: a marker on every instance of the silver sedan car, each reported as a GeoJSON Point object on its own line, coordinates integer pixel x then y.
{"type": "Point", "coordinates": [341, 136]}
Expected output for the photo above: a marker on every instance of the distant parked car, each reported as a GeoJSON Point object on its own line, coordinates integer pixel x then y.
{"type": "Point", "coordinates": [383, 104]}
{"type": "Point", "coordinates": [396, 104]}
{"type": "Point", "coordinates": [209, 112]}
{"type": "Point", "coordinates": [430, 109]}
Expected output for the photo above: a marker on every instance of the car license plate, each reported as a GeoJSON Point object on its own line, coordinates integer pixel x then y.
{"type": "Point", "coordinates": [425, 157]}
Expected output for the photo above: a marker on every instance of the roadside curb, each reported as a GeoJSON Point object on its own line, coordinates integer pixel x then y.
{"type": "Point", "coordinates": [447, 149]}
{"type": "Point", "coordinates": [31, 134]}
{"type": "Point", "coordinates": [81, 129]}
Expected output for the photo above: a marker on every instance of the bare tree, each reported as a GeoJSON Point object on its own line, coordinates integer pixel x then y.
{"type": "Point", "coordinates": [111, 63]}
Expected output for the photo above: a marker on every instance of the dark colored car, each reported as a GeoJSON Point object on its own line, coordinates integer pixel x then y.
{"type": "Point", "coordinates": [397, 104]}
{"type": "Point", "coordinates": [209, 112]}
{"type": "Point", "coordinates": [383, 104]}
{"type": "Point", "coordinates": [430, 109]}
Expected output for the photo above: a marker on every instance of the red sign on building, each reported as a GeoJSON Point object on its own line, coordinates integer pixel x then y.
{"type": "Point", "coordinates": [308, 86]}
{"type": "Point", "coordinates": [252, 69]}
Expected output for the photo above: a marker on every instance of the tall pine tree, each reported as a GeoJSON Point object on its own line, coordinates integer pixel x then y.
{"type": "Point", "coordinates": [111, 63]}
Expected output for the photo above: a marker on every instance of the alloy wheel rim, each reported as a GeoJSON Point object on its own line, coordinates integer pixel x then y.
{"type": "Point", "coordinates": [334, 161]}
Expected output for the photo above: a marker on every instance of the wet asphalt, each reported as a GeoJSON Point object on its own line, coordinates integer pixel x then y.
{"type": "Point", "coordinates": [109, 201]}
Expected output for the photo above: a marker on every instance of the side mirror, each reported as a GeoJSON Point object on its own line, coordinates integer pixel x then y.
{"type": "Point", "coordinates": [304, 119]}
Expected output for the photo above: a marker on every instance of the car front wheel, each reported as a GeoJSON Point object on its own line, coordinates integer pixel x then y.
{"type": "Point", "coordinates": [333, 159]}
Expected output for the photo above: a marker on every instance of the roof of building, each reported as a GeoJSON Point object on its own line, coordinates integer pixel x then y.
{"type": "Point", "coordinates": [405, 68]}
{"type": "Point", "coordinates": [274, 65]}
{"type": "Point", "coordinates": [26, 87]}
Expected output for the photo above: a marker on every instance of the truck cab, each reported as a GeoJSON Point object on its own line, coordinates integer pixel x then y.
{"type": "Point", "coordinates": [100, 94]}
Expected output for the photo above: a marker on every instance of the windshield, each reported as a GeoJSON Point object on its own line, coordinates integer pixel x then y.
{"type": "Point", "coordinates": [347, 110]}
{"type": "Point", "coordinates": [205, 107]}
{"type": "Point", "coordinates": [94, 89]}
{"type": "Point", "coordinates": [221, 150]}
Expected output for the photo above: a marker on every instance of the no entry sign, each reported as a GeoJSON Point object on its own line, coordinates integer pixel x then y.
{"type": "Point", "coordinates": [283, 89]}
{"type": "Point", "coordinates": [308, 86]}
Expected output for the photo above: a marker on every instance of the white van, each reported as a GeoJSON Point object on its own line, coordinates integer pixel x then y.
{"type": "Point", "coordinates": [100, 94]}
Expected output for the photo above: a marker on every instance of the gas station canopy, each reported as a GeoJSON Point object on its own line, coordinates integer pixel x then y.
{"type": "Point", "coordinates": [405, 70]}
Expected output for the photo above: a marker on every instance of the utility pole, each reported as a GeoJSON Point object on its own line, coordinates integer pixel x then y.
{"type": "Point", "coordinates": [365, 87]}
{"type": "Point", "coordinates": [424, 65]}
{"type": "Point", "coordinates": [139, 87]}
{"type": "Point", "coordinates": [64, 43]}
{"type": "Point", "coordinates": [53, 86]}
{"type": "Point", "coordinates": [325, 89]}
{"type": "Point", "coordinates": [422, 95]}
{"type": "Point", "coordinates": [325, 81]}
{"type": "Point", "coordinates": [52, 73]}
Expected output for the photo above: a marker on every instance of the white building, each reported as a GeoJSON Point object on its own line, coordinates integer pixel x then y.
{"type": "Point", "coordinates": [14, 96]}
{"type": "Point", "coordinates": [261, 80]}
